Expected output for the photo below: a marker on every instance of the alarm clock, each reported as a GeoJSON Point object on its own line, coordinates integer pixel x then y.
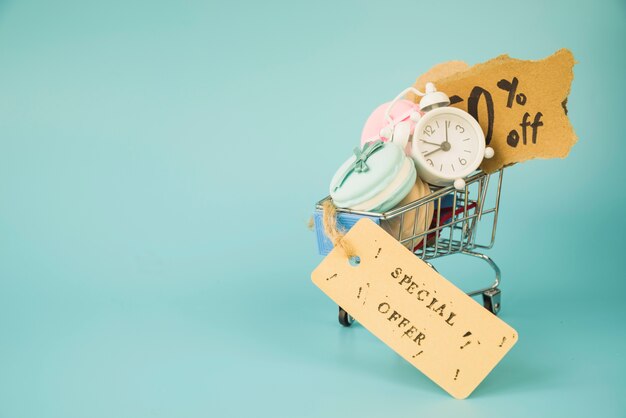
{"type": "Point", "coordinates": [448, 144]}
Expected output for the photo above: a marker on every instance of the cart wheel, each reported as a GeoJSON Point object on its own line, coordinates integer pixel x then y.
{"type": "Point", "coordinates": [491, 300]}
{"type": "Point", "coordinates": [344, 318]}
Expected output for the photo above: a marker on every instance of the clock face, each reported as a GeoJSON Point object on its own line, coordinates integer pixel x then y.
{"type": "Point", "coordinates": [449, 143]}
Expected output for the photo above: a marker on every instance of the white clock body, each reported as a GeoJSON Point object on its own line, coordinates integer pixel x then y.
{"type": "Point", "coordinates": [448, 144]}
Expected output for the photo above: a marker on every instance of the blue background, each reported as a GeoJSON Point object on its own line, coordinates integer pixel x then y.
{"type": "Point", "coordinates": [158, 165]}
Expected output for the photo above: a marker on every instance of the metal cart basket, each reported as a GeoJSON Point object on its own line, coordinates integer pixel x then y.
{"type": "Point", "coordinates": [454, 228]}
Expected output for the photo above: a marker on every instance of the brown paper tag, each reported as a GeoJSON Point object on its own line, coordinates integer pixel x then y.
{"type": "Point", "coordinates": [414, 310]}
{"type": "Point", "coordinates": [521, 105]}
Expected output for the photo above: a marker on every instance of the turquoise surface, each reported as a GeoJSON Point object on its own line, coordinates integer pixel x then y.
{"type": "Point", "coordinates": [159, 162]}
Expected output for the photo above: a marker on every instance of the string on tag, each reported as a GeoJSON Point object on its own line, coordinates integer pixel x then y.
{"type": "Point", "coordinates": [332, 230]}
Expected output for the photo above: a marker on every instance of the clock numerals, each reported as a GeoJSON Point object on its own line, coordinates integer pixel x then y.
{"type": "Point", "coordinates": [446, 143]}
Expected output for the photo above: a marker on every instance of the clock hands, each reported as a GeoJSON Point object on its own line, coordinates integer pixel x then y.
{"type": "Point", "coordinates": [430, 143]}
{"type": "Point", "coordinates": [444, 146]}
{"type": "Point", "coordinates": [433, 151]}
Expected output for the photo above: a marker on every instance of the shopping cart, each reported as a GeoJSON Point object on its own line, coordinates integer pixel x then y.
{"type": "Point", "coordinates": [454, 228]}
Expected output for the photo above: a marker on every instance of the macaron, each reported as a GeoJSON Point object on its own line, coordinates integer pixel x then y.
{"type": "Point", "coordinates": [415, 221]}
{"type": "Point", "coordinates": [375, 179]}
{"type": "Point", "coordinates": [377, 125]}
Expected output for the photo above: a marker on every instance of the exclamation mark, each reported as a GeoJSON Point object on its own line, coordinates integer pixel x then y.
{"type": "Point", "coordinates": [457, 374]}
{"type": "Point", "coordinates": [378, 252]}
{"type": "Point", "coordinates": [467, 334]}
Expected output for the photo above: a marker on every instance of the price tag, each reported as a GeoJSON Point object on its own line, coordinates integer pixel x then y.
{"type": "Point", "coordinates": [419, 314]}
{"type": "Point", "coordinates": [520, 105]}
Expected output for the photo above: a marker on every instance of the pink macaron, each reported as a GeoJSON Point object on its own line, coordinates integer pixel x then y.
{"type": "Point", "coordinates": [377, 125]}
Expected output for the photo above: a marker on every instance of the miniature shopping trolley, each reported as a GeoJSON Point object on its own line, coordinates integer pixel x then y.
{"type": "Point", "coordinates": [458, 217]}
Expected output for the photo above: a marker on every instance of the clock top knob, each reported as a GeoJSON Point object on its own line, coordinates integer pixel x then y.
{"type": "Point", "coordinates": [433, 98]}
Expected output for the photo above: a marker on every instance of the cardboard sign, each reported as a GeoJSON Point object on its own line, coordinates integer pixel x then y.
{"type": "Point", "coordinates": [521, 105]}
{"type": "Point", "coordinates": [427, 320]}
